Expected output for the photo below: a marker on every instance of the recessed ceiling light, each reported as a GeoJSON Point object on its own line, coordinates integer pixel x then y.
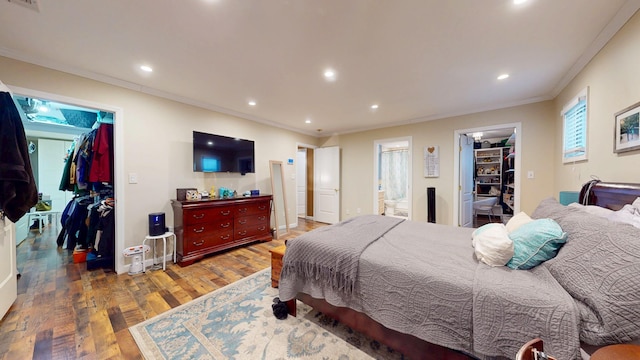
{"type": "Point", "coordinates": [308, 121]}
{"type": "Point", "coordinates": [374, 106]}
{"type": "Point", "coordinates": [518, 2]}
{"type": "Point", "coordinates": [146, 68]}
{"type": "Point", "coordinates": [330, 74]}
{"type": "Point", "coordinates": [503, 76]}
{"type": "Point", "coordinates": [252, 103]}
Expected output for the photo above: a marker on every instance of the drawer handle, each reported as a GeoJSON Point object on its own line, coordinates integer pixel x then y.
{"type": "Point", "coordinates": [243, 221]}
{"type": "Point", "coordinates": [262, 207]}
{"type": "Point", "coordinates": [198, 244]}
{"type": "Point", "coordinates": [242, 233]}
{"type": "Point", "coordinates": [198, 230]}
{"type": "Point", "coordinates": [242, 210]}
{"type": "Point", "coordinates": [226, 225]}
{"type": "Point", "coordinates": [262, 228]}
{"type": "Point", "coordinates": [263, 217]}
{"type": "Point", "coordinates": [225, 212]}
{"type": "Point", "coordinates": [225, 237]}
{"type": "Point", "coordinates": [201, 216]}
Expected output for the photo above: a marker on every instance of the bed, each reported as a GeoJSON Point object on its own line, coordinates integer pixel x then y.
{"type": "Point", "coordinates": [419, 288]}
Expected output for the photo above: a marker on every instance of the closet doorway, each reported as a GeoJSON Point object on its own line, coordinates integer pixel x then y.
{"type": "Point", "coordinates": [392, 177]}
{"type": "Point", "coordinates": [492, 135]}
{"type": "Point", "coordinates": [51, 123]}
{"type": "Point", "coordinates": [304, 181]}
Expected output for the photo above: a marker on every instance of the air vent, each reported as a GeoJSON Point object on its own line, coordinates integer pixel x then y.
{"type": "Point", "coordinates": [31, 4]}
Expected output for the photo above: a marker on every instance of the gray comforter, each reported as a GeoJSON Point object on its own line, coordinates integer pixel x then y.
{"type": "Point", "coordinates": [423, 279]}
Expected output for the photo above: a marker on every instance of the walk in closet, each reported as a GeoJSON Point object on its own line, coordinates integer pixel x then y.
{"type": "Point", "coordinates": [73, 156]}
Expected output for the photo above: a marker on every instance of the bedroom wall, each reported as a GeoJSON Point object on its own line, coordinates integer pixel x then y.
{"type": "Point", "coordinates": [157, 143]}
{"type": "Point", "coordinates": [613, 78]}
{"type": "Point", "coordinates": [357, 155]}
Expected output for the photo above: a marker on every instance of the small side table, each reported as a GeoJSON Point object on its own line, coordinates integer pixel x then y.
{"type": "Point", "coordinates": [41, 216]}
{"type": "Point", "coordinates": [618, 352]}
{"type": "Point", "coordinates": [164, 238]}
{"type": "Point", "coordinates": [277, 254]}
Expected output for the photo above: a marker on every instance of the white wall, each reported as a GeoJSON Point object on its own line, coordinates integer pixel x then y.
{"type": "Point", "coordinates": [157, 141]}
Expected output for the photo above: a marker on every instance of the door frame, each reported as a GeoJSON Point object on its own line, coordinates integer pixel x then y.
{"type": "Point", "coordinates": [456, 164]}
{"type": "Point", "coordinates": [311, 174]}
{"type": "Point", "coordinates": [118, 152]}
{"type": "Point", "coordinates": [376, 157]}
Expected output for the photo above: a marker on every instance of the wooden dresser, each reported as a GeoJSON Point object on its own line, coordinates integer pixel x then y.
{"type": "Point", "coordinates": [206, 226]}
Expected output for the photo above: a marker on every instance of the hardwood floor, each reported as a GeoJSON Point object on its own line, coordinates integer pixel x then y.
{"type": "Point", "coordinates": [64, 311]}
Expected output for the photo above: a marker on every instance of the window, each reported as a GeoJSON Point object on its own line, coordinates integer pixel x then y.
{"type": "Point", "coordinates": [574, 137]}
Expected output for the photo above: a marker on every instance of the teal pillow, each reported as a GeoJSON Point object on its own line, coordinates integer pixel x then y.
{"type": "Point", "coordinates": [535, 242]}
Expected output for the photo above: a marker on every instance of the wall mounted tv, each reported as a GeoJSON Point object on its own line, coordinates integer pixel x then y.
{"type": "Point", "coordinates": [216, 153]}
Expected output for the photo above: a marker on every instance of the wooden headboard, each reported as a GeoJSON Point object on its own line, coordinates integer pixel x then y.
{"type": "Point", "coordinates": [610, 195]}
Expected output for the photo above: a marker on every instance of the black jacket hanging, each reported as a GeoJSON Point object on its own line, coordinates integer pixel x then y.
{"type": "Point", "coordinates": [18, 192]}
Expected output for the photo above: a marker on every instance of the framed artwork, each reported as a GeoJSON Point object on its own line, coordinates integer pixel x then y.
{"type": "Point", "coordinates": [627, 129]}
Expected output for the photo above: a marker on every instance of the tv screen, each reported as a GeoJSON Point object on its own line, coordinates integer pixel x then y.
{"type": "Point", "coordinates": [216, 153]}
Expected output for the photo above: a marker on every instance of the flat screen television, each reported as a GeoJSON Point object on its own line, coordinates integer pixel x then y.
{"type": "Point", "coordinates": [217, 153]}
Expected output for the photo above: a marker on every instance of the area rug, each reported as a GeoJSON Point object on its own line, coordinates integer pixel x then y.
{"type": "Point", "coordinates": [237, 322]}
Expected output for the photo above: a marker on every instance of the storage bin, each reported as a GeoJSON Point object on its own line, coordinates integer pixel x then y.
{"type": "Point", "coordinates": [80, 255]}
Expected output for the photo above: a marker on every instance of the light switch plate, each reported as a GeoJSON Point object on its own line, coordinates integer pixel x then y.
{"type": "Point", "coordinates": [133, 178]}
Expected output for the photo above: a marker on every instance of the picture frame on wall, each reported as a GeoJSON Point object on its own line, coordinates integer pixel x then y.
{"type": "Point", "coordinates": [627, 129]}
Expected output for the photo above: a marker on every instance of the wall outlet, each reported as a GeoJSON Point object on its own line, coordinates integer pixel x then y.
{"type": "Point", "coordinates": [358, 210]}
{"type": "Point", "coordinates": [530, 174]}
{"type": "Point", "coordinates": [348, 212]}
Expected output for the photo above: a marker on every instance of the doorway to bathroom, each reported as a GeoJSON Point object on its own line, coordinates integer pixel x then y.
{"type": "Point", "coordinates": [392, 177]}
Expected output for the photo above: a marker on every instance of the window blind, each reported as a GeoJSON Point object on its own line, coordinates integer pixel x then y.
{"type": "Point", "coordinates": [575, 130]}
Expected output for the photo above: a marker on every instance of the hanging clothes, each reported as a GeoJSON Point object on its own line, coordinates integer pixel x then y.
{"type": "Point", "coordinates": [18, 191]}
{"type": "Point", "coordinates": [102, 163]}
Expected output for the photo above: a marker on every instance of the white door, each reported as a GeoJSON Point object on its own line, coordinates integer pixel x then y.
{"type": "Point", "coordinates": [327, 184]}
{"type": "Point", "coordinates": [465, 218]}
{"type": "Point", "coordinates": [8, 267]}
{"type": "Point", "coordinates": [301, 182]}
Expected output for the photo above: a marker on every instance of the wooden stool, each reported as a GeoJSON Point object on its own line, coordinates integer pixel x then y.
{"type": "Point", "coordinates": [618, 352]}
{"type": "Point", "coordinates": [276, 264]}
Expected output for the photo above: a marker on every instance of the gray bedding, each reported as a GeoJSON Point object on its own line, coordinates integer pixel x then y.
{"type": "Point", "coordinates": [423, 279]}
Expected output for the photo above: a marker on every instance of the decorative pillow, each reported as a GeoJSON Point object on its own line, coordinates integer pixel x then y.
{"type": "Point", "coordinates": [593, 209]}
{"type": "Point", "coordinates": [518, 220]}
{"type": "Point", "coordinates": [536, 242]}
{"type": "Point", "coordinates": [492, 244]}
{"type": "Point", "coordinates": [599, 267]}
{"type": "Point", "coordinates": [552, 209]}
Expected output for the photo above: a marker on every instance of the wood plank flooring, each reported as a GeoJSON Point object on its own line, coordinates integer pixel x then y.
{"type": "Point", "coordinates": [64, 311]}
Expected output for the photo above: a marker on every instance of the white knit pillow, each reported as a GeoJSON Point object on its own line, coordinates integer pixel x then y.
{"type": "Point", "coordinates": [518, 220]}
{"type": "Point", "coordinates": [492, 244]}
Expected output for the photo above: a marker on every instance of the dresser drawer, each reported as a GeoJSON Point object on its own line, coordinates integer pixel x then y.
{"type": "Point", "coordinates": [251, 220]}
{"type": "Point", "coordinates": [207, 240]}
{"type": "Point", "coordinates": [251, 230]}
{"type": "Point", "coordinates": [206, 215]}
{"type": "Point", "coordinates": [256, 207]}
{"type": "Point", "coordinates": [205, 229]}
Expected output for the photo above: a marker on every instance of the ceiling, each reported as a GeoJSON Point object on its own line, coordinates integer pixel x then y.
{"type": "Point", "coordinates": [418, 60]}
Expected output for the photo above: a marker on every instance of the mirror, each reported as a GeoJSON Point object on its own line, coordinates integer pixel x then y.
{"type": "Point", "coordinates": [279, 198]}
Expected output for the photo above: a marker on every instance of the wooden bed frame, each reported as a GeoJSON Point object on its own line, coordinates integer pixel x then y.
{"type": "Point", "coordinates": [608, 195]}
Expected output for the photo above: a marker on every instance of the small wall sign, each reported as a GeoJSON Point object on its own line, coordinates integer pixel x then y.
{"type": "Point", "coordinates": [432, 161]}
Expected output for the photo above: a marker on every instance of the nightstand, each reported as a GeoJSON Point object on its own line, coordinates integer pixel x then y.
{"type": "Point", "coordinates": [276, 263]}
{"type": "Point", "coordinates": [618, 352]}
